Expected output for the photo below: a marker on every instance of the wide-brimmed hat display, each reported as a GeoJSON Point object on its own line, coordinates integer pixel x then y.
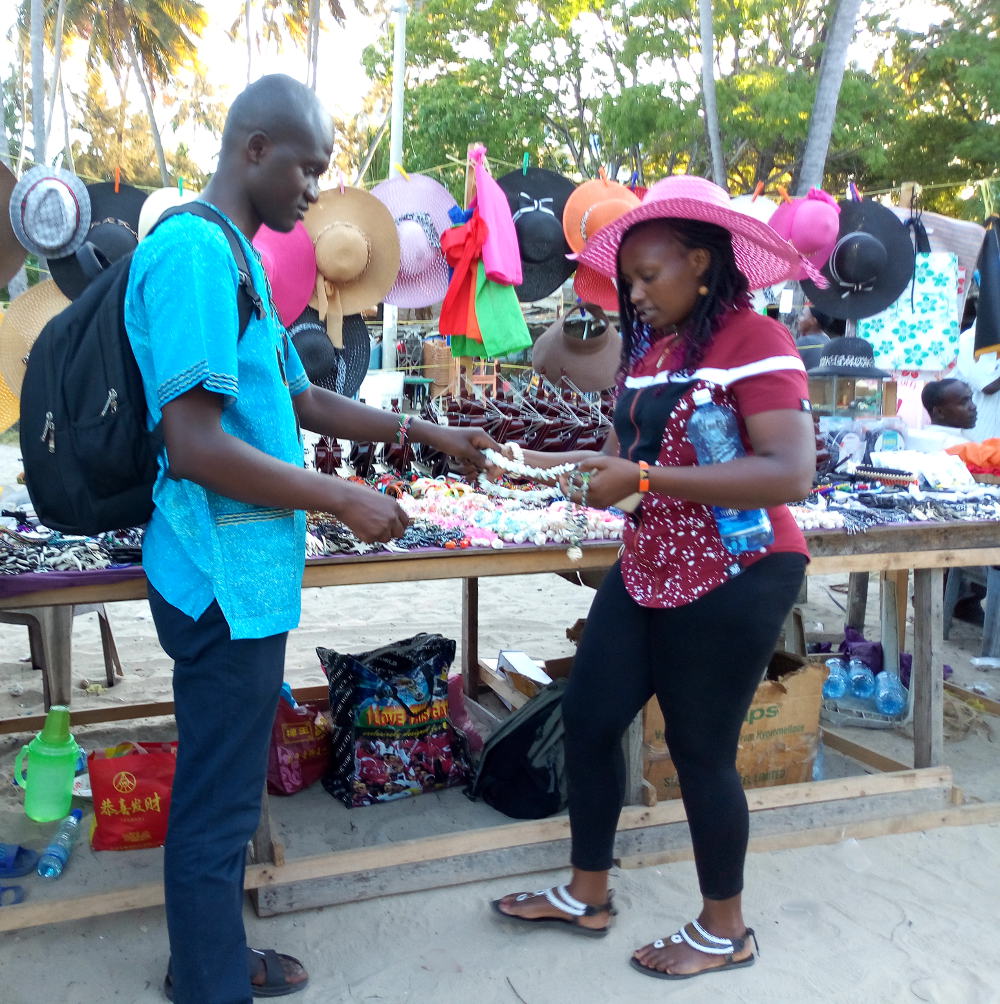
{"type": "Point", "coordinates": [357, 254]}
{"type": "Point", "coordinates": [987, 337]}
{"type": "Point", "coordinates": [341, 370]}
{"type": "Point", "coordinates": [419, 205]}
{"type": "Point", "coordinates": [537, 200]}
{"type": "Point", "coordinates": [113, 233]}
{"type": "Point", "coordinates": [592, 287]}
{"type": "Point", "coordinates": [582, 346]}
{"type": "Point", "coordinates": [870, 264]}
{"type": "Point", "coordinates": [847, 357]}
{"type": "Point", "coordinates": [12, 252]}
{"type": "Point", "coordinates": [50, 211]}
{"type": "Point", "coordinates": [761, 255]}
{"type": "Point", "coordinates": [157, 203]}
{"type": "Point", "coordinates": [22, 324]}
{"type": "Point", "coordinates": [592, 206]}
{"type": "Point", "coordinates": [10, 405]}
{"type": "Point", "coordinates": [810, 224]}
{"type": "Point", "coordinates": [760, 207]}
{"type": "Point", "coordinates": [289, 262]}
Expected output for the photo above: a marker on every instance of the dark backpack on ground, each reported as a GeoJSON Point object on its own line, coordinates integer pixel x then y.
{"type": "Point", "coordinates": [521, 770]}
{"type": "Point", "coordinates": [89, 460]}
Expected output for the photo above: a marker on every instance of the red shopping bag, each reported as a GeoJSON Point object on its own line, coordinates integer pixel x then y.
{"type": "Point", "coordinates": [300, 747]}
{"type": "Point", "coordinates": [131, 785]}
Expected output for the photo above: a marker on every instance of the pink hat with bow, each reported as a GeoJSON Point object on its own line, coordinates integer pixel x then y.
{"type": "Point", "coordinates": [811, 225]}
{"type": "Point", "coordinates": [289, 261]}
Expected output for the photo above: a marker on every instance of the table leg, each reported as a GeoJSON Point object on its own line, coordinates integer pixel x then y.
{"type": "Point", "coordinates": [470, 635]}
{"type": "Point", "coordinates": [925, 677]}
{"type": "Point", "coordinates": [890, 622]}
{"type": "Point", "coordinates": [857, 600]}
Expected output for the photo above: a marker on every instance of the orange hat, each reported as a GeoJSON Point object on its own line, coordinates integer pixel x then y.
{"type": "Point", "coordinates": [593, 205]}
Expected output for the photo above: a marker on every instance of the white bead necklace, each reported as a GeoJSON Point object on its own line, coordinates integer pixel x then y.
{"type": "Point", "coordinates": [521, 494]}
{"type": "Point", "coordinates": [522, 470]}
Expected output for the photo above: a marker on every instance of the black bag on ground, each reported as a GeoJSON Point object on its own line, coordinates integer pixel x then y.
{"type": "Point", "coordinates": [89, 460]}
{"type": "Point", "coordinates": [522, 770]}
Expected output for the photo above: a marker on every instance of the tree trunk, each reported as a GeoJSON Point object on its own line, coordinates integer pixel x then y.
{"type": "Point", "coordinates": [312, 44]}
{"type": "Point", "coordinates": [708, 93]}
{"type": "Point", "coordinates": [247, 5]}
{"type": "Point", "coordinates": [38, 80]}
{"type": "Point", "coordinates": [831, 75]}
{"type": "Point", "coordinates": [56, 70]}
{"type": "Point", "coordinates": [148, 98]}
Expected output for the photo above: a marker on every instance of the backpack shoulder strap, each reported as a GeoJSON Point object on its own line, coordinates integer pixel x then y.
{"type": "Point", "coordinates": [248, 299]}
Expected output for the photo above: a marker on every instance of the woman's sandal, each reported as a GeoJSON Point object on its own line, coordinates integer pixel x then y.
{"type": "Point", "coordinates": [702, 941]}
{"type": "Point", "coordinates": [560, 898]}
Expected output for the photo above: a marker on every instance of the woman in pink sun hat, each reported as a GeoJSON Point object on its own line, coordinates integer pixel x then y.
{"type": "Point", "coordinates": [683, 614]}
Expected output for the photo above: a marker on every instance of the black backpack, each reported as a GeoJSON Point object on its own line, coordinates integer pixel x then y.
{"type": "Point", "coordinates": [89, 460]}
{"type": "Point", "coordinates": [521, 771]}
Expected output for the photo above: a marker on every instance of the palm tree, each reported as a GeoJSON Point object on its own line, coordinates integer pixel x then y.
{"type": "Point", "coordinates": [831, 75]}
{"type": "Point", "coordinates": [708, 92]}
{"type": "Point", "coordinates": [37, 36]}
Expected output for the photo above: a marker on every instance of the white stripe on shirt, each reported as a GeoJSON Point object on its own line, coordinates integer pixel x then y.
{"type": "Point", "coordinates": [720, 377]}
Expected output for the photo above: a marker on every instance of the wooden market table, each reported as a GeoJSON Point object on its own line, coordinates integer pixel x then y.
{"type": "Point", "coordinates": [916, 798]}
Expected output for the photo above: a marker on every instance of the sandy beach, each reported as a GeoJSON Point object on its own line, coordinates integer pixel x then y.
{"type": "Point", "coordinates": [899, 918]}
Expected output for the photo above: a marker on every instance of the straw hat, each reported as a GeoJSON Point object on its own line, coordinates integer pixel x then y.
{"type": "Point", "coordinates": [50, 211]}
{"type": "Point", "coordinates": [290, 266]}
{"type": "Point", "coordinates": [340, 370]}
{"type": "Point", "coordinates": [10, 407]}
{"type": "Point", "coordinates": [594, 205]}
{"type": "Point", "coordinates": [592, 287]}
{"type": "Point", "coordinates": [420, 206]}
{"type": "Point", "coordinates": [810, 225]}
{"type": "Point", "coordinates": [582, 346]}
{"type": "Point", "coordinates": [157, 203]}
{"type": "Point", "coordinates": [357, 254]}
{"type": "Point", "coordinates": [761, 255]}
{"type": "Point", "coordinates": [869, 266]}
{"type": "Point", "coordinates": [114, 221]}
{"type": "Point", "coordinates": [537, 200]}
{"type": "Point", "coordinates": [23, 322]}
{"type": "Point", "coordinates": [12, 252]}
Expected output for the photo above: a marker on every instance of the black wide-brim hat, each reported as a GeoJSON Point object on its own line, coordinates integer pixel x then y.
{"type": "Point", "coordinates": [341, 370]}
{"type": "Point", "coordinates": [987, 337]}
{"type": "Point", "coordinates": [869, 266]}
{"type": "Point", "coordinates": [537, 198]}
{"type": "Point", "coordinates": [113, 233]}
{"type": "Point", "coordinates": [848, 357]}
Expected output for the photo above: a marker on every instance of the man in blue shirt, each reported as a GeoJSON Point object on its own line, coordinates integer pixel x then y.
{"type": "Point", "coordinates": [224, 550]}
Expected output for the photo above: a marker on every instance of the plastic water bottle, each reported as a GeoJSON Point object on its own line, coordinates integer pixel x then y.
{"type": "Point", "coordinates": [862, 679]}
{"type": "Point", "coordinates": [890, 694]}
{"type": "Point", "coordinates": [837, 683]}
{"type": "Point", "coordinates": [53, 859]}
{"type": "Point", "coordinates": [715, 435]}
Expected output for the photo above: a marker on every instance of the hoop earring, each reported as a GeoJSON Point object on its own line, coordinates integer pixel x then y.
{"type": "Point", "coordinates": [703, 290]}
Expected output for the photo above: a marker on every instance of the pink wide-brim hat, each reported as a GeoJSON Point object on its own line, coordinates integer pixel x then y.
{"type": "Point", "coordinates": [761, 255]}
{"type": "Point", "coordinates": [810, 224]}
{"type": "Point", "coordinates": [419, 206]}
{"type": "Point", "coordinates": [289, 261]}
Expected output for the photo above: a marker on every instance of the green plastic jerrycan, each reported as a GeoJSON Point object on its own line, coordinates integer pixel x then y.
{"type": "Point", "coordinates": [52, 757]}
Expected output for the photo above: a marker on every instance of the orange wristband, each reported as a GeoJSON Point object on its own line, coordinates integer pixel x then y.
{"type": "Point", "coordinates": [643, 477]}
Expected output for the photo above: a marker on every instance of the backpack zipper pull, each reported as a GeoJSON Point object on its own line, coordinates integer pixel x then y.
{"type": "Point", "coordinates": [112, 403]}
{"type": "Point", "coordinates": [49, 432]}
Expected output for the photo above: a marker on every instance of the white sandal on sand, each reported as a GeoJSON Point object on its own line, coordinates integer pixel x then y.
{"type": "Point", "coordinates": [559, 896]}
{"type": "Point", "coordinates": [700, 940]}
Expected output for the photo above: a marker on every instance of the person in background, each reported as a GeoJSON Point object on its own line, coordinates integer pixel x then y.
{"type": "Point", "coordinates": [224, 550]}
{"type": "Point", "coordinates": [952, 412]}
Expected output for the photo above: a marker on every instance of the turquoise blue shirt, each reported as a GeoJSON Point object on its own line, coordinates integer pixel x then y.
{"type": "Point", "coordinates": [182, 320]}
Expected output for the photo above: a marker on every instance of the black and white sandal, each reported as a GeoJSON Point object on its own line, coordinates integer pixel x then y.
{"type": "Point", "coordinates": [561, 899]}
{"type": "Point", "coordinates": [700, 940]}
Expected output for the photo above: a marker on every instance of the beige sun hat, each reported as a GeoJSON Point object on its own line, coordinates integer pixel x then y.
{"type": "Point", "coordinates": [22, 324]}
{"type": "Point", "coordinates": [10, 406]}
{"type": "Point", "coordinates": [357, 254]}
{"type": "Point", "coordinates": [157, 203]}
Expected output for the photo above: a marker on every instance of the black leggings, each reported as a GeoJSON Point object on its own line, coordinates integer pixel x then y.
{"type": "Point", "coordinates": [703, 661]}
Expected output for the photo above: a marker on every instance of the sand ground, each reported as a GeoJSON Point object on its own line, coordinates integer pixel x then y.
{"type": "Point", "coordinates": [899, 918]}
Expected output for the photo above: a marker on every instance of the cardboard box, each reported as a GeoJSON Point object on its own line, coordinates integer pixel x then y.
{"type": "Point", "coordinates": [523, 673]}
{"type": "Point", "coordinates": [778, 739]}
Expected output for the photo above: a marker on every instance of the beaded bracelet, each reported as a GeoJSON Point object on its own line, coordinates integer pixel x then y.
{"type": "Point", "coordinates": [403, 432]}
{"type": "Point", "coordinates": [516, 452]}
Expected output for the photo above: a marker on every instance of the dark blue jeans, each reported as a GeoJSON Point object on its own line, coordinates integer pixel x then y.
{"type": "Point", "coordinates": [225, 694]}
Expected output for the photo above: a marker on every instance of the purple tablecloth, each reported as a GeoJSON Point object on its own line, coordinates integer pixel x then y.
{"type": "Point", "coordinates": [32, 582]}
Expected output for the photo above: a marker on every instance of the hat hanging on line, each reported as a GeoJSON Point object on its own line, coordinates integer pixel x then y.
{"type": "Point", "coordinates": [357, 254]}
{"type": "Point", "coordinates": [987, 337]}
{"type": "Point", "coordinates": [340, 370]}
{"type": "Point", "coordinates": [761, 255]}
{"type": "Point", "coordinates": [289, 261]}
{"type": "Point", "coordinates": [810, 224]}
{"type": "Point", "coordinates": [537, 199]}
{"type": "Point", "coordinates": [157, 203]}
{"type": "Point", "coordinates": [758, 207]}
{"type": "Point", "coordinates": [848, 357]}
{"type": "Point", "coordinates": [50, 211]}
{"type": "Point", "coordinates": [869, 266]}
{"type": "Point", "coordinates": [419, 205]}
{"type": "Point", "coordinates": [10, 405]}
{"type": "Point", "coordinates": [113, 233]}
{"type": "Point", "coordinates": [22, 324]}
{"type": "Point", "coordinates": [582, 347]}
{"type": "Point", "coordinates": [592, 287]}
{"type": "Point", "coordinates": [12, 252]}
